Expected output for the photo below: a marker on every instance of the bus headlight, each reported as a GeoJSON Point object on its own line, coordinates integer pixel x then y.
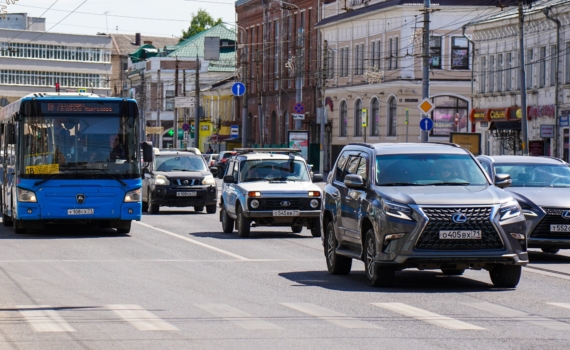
{"type": "Point", "coordinates": [26, 196]}
{"type": "Point", "coordinates": [133, 196]}
{"type": "Point", "coordinates": [208, 180]}
{"type": "Point", "coordinates": [161, 180]}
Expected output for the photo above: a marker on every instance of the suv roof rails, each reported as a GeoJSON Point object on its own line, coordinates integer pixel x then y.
{"type": "Point", "coordinates": [267, 150]}
{"type": "Point", "coordinates": [179, 150]}
{"type": "Point", "coordinates": [554, 158]}
{"type": "Point", "coordinates": [361, 144]}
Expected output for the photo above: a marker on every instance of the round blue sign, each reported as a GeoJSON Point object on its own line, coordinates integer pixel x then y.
{"type": "Point", "coordinates": [426, 124]}
{"type": "Point", "coordinates": [238, 89]}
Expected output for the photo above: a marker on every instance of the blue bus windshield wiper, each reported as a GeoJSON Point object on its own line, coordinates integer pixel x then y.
{"type": "Point", "coordinates": [52, 176]}
{"type": "Point", "coordinates": [101, 170]}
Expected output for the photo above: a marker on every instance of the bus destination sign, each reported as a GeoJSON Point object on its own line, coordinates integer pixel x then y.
{"type": "Point", "coordinates": [79, 107]}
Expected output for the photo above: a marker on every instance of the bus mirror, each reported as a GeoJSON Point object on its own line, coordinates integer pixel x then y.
{"type": "Point", "coordinates": [9, 134]}
{"type": "Point", "coordinates": [148, 152]}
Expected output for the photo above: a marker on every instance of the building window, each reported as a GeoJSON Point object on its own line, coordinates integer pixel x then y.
{"type": "Point", "coordinates": [344, 62]}
{"type": "Point", "coordinates": [435, 52]}
{"type": "Point", "coordinates": [553, 52]}
{"type": "Point", "coordinates": [375, 60]}
{"type": "Point", "coordinates": [330, 63]}
{"type": "Point", "coordinates": [374, 117]}
{"type": "Point", "coordinates": [392, 117]}
{"type": "Point", "coordinates": [276, 58]}
{"type": "Point", "coordinates": [483, 75]}
{"type": "Point", "coordinates": [509, 72]}
{"type": "Point", "coordinates": [459, 53]}
{"type": "Point", "coordinates": [447, 108]}
{"type": "Point", "coordinates": [393, 58]}
{"type": "Point", "coordinates": [500, 72]}
{"type": "Point", "coordinates": [52, 52]}
{"type": "Point", "coordinates": [567, 77]}
{"type": "Point", "coordinates": [542, 68]}
{"type": "Point", "coordinates": [529, 66]}
{"type": "Point", "coordinates": [356, 52]}
{"type": "Point", "coordinates": [491, 73]}
{"type": "Point", "coordinates": [169, 100]}
{"type": "Point", "coordinates": [358, 118]}
{"type": "Point", "coordinates": [343, 119]}
{"type": "Point", "coordinates": [361, 63]}
{"type": "Point", "coordinates": [35, 78]}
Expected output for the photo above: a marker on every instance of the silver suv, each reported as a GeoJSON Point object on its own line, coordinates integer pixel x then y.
{"type": "Point", "coordinates": [424, 206]}
{"type": "Point", "coordinates": [269, 187]}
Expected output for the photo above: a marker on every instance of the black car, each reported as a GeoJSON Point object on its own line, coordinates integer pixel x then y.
{"type": "Point", "coordinates": [179, 179]}
{"type": "Point", "coordinates": [424, 206]}
{"type": "Point", "coordinates": [223, 161]}
{"type": "Point", "coordinates": [542, 187]}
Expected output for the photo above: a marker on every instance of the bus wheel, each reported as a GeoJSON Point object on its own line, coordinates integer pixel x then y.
{"type": "Point", "coordinates": [19, 226]}
{"type": "Point", "coordinates": [125, 227]}
{"type": "Point", "coordinates": [6, 220]}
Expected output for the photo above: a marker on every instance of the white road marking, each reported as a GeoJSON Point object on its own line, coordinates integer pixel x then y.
{"type": "Point", "coordinates": [140, 318]}
{"type": "Point", "coordinates": [427, 316]}
{"type": "Point", "coordinates": [238, 317]}
{"type": "Point", "coordinates": [533, 269]}
{"type": "Point", "coordinates": [43, 318]}
{"type": "Point", "coordinates": [520, 316]}
{"type": "Point", "coordinates": [563, 305]}
{"type": "Point", "coordinates": [239, 257]}
{"type": "Point", "coordinates": [330, 316]}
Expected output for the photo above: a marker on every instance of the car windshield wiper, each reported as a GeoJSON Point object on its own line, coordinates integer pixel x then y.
{"type": "Point", "coordinates": [52, 176]}
{"type": "Point", "coordinates": [251, 179]}
{"type": "Point", "coordinates": [451, 183]}
{"type": "Point", "coordinates": [401, 184]}
{"type": "Point", "coordinates": [276, 179]}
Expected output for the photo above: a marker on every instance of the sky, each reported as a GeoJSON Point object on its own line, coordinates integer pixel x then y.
{"type": "Point", "coordinates": [154, 18]}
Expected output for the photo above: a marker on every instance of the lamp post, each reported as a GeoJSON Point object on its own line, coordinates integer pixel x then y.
{"type": "Point", "coordinates": [299, 61]}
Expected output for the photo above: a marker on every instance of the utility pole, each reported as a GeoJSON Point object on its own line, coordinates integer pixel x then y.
{"type": "Point", "coordinates": [524, 124]}
{"type": "Point", "coordinates": [197, 104]}
{"type": "Point", "coordinates": [299, 70]}
{"type": "Point", "coordinates": [244, 99]}
{"type": "Point", "coordinates": [184, 111]}
{"type": "Point", "coordinates": [175, 126]}
{"type": "Point", "coordinates": [259, 106]}
{"type": "Point", "coordinates": [159, 107]}
{"type": "Point", "coordinates": [425, 58]}
{"type": "Point", "coordinates": [556, 79]}
{"type": "Point", "coordinates": [322, 110]}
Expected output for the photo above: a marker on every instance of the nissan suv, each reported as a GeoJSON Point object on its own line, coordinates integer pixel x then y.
{"type": "Point", "coordinates": [424, 206]}
{"type": "Point", "coordinates": [179, 178]}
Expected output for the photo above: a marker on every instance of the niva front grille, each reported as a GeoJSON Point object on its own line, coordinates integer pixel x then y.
{"type": "Point", "coordinates": [478, 218]}
{"type": "Point", "coordinates": [553, 217]}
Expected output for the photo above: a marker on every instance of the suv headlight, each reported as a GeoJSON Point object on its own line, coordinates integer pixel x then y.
{"type": "Point", "coordinates": [26, 196]}
{"type": "Point", "coordinates": [509, 210]}
{"type": "Point", "coordinates": [161, 180]}
{"type": "Point", "coordinates": [208, 180]}
{"type": "Point", "coordinates": [397, 210]}
{"type": "Point", "coordinates": [133, 196]}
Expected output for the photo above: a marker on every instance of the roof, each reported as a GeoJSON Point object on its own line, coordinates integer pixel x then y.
{"type": "Point", "coordinates": [123, 44]}
{"type": "Point", "coordinates": [524, 160]}
{"type": "Point", "coordinates": [391, 3]}
{"type": "Point", "coordinates": [537, 6]}
{"type": "Point", "coordinates": [194, 46]}
{"type": "Point", "coordinates": [411, 148]}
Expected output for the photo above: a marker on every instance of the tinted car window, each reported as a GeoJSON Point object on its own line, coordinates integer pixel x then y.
{"type": "Point", "coordinates": [179, 163]}
{"type": "Point", "coordinates": [536, 175]}
{"type": "Point", "coordinates": [353, 165]}
{"type": "Point", "coordinates": [363, 169]}
{"type": "Point", "coordinates": [339, 176]}
{"type": "Point", "coordinates": [485, 166]}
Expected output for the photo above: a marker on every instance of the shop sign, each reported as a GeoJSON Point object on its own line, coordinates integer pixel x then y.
{"type": "Point", "coordinates": [564, 121]}
{"type": "Point", "coordinates": [494, 114]}
{"type": "Point", "coordinates": [547, 131]}
{"type": "Point", "coordinates": [477, 115]}
{"type": "Point", "coordinates": [541, 111]}
{"type": "Point", "coordinates": [470, 141]}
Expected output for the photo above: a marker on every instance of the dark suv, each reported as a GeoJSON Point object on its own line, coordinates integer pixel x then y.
{"type": "Point", "coordinates": [179, 179]}
{"type": "Point", "coordinates": [223, 161]}
{"type": "Point", "coordinates": [424, 206]}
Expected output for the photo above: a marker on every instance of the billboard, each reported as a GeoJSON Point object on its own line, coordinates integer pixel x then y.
{"type": "Point", "coordinates": [299, 140]}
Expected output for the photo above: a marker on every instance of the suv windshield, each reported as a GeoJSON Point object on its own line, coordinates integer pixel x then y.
{"type": "Point", "coordinates": [179, 162]}
{"type": "Point", "coordinates": [273, 170]}
{"type": "Point", "coordinates": [536, 175]}
{"type": "Point", "coordinates": [428, 169]}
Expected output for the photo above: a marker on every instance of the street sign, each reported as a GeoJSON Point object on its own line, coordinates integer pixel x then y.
{"type": "Point", "coordinates": [426, 106]}
{"type": "Point", "coordinates": [426, 124]}
{"type": "Point", "coordinates": [297, 116]}
{"type": "Point", "coordinates": [547, 131]}
{"type": "Point", "coordinates": [186, 135]}
{"type": "Point", "coordinates": [238, 89]}
{"type": "Point", "coordinates": [154, 130]}
{"type": "Point", "coordinates": [234, 131]}
{"type": "Point", "coordinates": [299, 108]}
{"type": "Point", "coordinates": [185, 127]}
{"type": "Point", "coordinates": [184, 102]}
{"type": "Point", "coordinates": [564, 121]}
{"type": "Point", "coordinates": [364, 118]}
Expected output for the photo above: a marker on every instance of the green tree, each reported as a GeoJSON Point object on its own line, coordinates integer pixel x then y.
{"type": "Point", "coordinates": [199, 23]}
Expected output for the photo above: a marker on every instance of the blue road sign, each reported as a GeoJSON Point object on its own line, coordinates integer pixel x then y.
{"type": "Point", "coordinates": [238, 89]}
{"type": "Point", "coordinates": [426, 124]}
{"type": "Point", "coordinates": [299, 108]}
{"type": "Point", "coordinates": [234, 131]}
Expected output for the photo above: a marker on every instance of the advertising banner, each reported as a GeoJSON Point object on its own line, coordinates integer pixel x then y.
{"type": "Point", "coordinates": [300, 140]}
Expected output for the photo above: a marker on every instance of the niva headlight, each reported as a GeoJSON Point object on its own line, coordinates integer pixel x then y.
{"type": "Point", "coordinates": [509, 210]}
{"type": "Point", "coordinates": [397, 210]}
{"type": "Point", "coordinates": [161, 180]}
{"type": "Point", "coordinates": [26, 196]}
{"type": "Point", "coordinates": [208, 180]}
{"type": "Point", "coordinates": [133, 196]}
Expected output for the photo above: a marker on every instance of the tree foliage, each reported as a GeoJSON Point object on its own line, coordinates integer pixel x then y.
{"type": "Point", "coordinates": [199, 23]}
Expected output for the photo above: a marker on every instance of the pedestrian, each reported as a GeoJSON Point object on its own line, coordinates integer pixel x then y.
{"type": "Point", "coordinates": [210, 150]}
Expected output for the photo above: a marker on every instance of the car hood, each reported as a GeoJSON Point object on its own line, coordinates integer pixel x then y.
{"type": "Point", "coordinates": [283, 188]}
{"type": "Point", "coordinates": [446, 195]}
{"type": "Point", "coordinates": [550, 197]}
{"type": "Point", "coordinates": [182, 174]}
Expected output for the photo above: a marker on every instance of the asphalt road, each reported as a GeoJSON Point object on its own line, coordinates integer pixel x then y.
{"type": "Point", "coordinates": [177, 282]}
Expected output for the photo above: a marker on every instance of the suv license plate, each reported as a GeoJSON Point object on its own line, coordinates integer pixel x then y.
{"type": "Point", "coordinates": [471, 234]}
{"type": "Point", "coordinates": [285, 213]}
{"type": "Point", "coordinates": [186, 194]}
{"type": "Point", "coordinates": [80, 211]}
{"type": "Point", "coordinates": [559, 228]}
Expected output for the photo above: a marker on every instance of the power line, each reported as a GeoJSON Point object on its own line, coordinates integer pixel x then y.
{"type": "Point", "coordinates": [58, 22]}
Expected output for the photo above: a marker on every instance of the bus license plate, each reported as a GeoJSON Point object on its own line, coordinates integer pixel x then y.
{"type": "Point", "coordinates": [80, 211]}
{"type": "Point", "coordinates": [470, 234]}
{"type": "Point", "coordinates": [285, 213]}
{"type": "Point", "coordinates": [559, 228]}
{"type": "Point", "coordinates": [186, 194]}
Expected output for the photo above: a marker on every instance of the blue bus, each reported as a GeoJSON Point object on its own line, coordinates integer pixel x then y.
{"type": "Point", "coordinates": [70, 157]}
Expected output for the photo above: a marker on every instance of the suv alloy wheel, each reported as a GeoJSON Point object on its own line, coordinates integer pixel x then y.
{"type": "Point", "coordinates": [377, 276]}
{"type": "Point", "coordinates": [336, 264]}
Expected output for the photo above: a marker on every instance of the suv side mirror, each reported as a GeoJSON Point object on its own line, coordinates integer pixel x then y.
{"type": "Point", "coordinates": [353, 181]}
{"type": "Point", "coordinates": [214, 170]}
{"type": "Point", "coordinates": [503, 180]}
{"type": "Point", "coordinates": [229, 179]}
{"type": "Point", "coordinates": [148, 152]}
{"type": "Point", "coordinates": [317, 178]}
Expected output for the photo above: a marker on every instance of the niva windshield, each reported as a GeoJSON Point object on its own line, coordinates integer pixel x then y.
{"type": "Point", "coordinates": [536, 175]}
{"type": "Point", "coordinates": [273, 170]}
{"type": "Point", "coordinates": [428, 170]}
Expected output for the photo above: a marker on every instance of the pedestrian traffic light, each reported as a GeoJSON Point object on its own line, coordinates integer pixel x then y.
{"type": "Point", "coordinates": [56, 87]}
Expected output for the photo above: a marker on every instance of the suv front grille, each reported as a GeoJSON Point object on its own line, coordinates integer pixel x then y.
{"type": "Point", "coordinates": [478, 218]}
{"type": "Point", "coordinates": [277, 204]}
{"type": "Point", "coordinates": [553, 217]}
{"type": "Point", "coordinates": [191, 182]}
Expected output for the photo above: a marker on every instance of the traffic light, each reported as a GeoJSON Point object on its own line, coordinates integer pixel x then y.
{"type": "Point", "coordinates": [56, 87]}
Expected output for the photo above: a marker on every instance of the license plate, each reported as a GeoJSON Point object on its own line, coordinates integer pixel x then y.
{"type": "Point", "coordinates": [559, 228]}
{"type": "Point", "coordinates": [186, 194]}
{"type": "Point", "coordinates": [285, 213]}
{"type": "Point", "coordinates": [470, 234]}
{"type": "Point", "coordinates": [80, 211]}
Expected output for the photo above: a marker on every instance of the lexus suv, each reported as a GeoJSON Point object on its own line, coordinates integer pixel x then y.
{"type": "Point", "coordinates": [424, 206]}
{"type": "Point", "coordinates": [179, 178]}
{"type": "Point", "coordinates": [542, 187]}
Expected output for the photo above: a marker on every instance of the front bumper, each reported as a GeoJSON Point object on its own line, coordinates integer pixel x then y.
{"type": "Point", "coordinates": [166, 196]}
{"type": "Point", "coordinates": [269, 214]}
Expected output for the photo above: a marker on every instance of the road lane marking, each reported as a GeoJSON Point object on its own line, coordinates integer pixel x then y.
{"type": "Point", "coordinates": [547, 272]}
{"type": "Point", "coordinates": [43, 318]}
{"type": "Point", "coordinates": [239, 257]}
{"type": "Point", "coordinates": [140, 318]}
{"type": "Point", "coordinates": [518, 315]}
{"type": "Point", "coordinates": [330, 316]}
{"type": "Point", "coordinates": [563, 305]}
{"type": "Point", "coordinates": [238, 317]}
{"type": "Point", "coordinates": [427, 316]}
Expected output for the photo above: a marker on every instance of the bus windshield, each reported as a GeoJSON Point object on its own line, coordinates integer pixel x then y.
{"type": "Point", "coordinates": [93, 146]}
